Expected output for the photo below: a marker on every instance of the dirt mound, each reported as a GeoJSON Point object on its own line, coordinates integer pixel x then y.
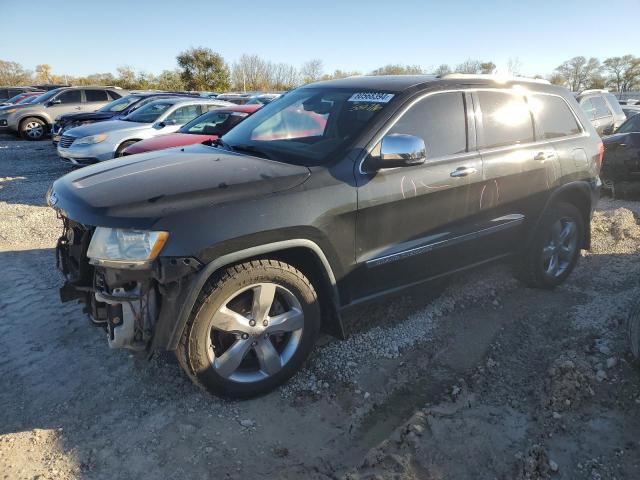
{"type": "Point", "coordinates": [614, 227]}
{"type": "Point", "coordinates": [568, 383]}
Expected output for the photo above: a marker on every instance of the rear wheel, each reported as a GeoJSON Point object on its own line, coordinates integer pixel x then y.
{"type": "Point", "coordinates": [555, 248]}
{"type": "Point", "coordinates": [252, 328]}
{"type": "Point", "coordinates": [33, 129]}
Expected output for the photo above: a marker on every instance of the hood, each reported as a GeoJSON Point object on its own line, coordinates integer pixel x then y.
{"type": "Point", "coordinates": [104, 127]}
{"type": "Point", "coordinates": [17, 106]}
{"type": "Point", "coordinates": [137, 191]}
{"type": "Point", "coordinates": [82, 116]}
{"type": "Point", "coordinates": [167, 141]}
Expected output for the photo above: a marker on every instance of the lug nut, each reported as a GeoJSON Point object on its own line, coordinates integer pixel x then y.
{"type": "Point", "coordinates": [265, 323]}
{"type": "Point", "coordinates": [266, 335]}
{"type": "Point", "coordinates": [253, 344]}
{"type": "Point", "coordinates": [252, 323]}
{"type": "Point", "coordinates": [245, 336]}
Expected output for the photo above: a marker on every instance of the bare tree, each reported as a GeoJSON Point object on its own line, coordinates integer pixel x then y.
{"type": "Point", "coordinates": [12, 73]}
{"type": "Point", "coordinates": [514, 66]}
{"type": "Point", "coordinates": [250, 73]}
{"type": "Point", "coordinates": [126, 77]}
{"type": "Point", "coordinates": [579, 73]}
{"type": "Point", "coordinates": [398, 69]}
{"type": "Point", "coordinates": [43, 73]}
{"type": "Point", "coordinates": [469, 66]}
{"type": "Point", "coordinates": [312, 70]}
{"type": "Point", "coordinates": [442, 70]}
{"type": "Point", "coordinates": [624, 72]}
{"type": "Point", "coordinates": [340, 74]}
{"type": "Point", "coordinates": [283, 76]}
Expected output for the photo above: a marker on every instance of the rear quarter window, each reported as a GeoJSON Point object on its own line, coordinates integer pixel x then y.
{"type": "Point", "coordinates": [615, 105]}
{"type": "Point", "coordinates": [553, 116]}
{"type": "Point", "coordinates": [602, 110]}
{"type": "Point", "coordinates": [506, 119]}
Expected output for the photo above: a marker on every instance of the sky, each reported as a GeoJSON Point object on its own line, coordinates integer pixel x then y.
{"type": "Point", "coordinates": [82, 37]}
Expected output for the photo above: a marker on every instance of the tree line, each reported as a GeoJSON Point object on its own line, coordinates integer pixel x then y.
{"type": "Point", "coordinates": [202, 69]}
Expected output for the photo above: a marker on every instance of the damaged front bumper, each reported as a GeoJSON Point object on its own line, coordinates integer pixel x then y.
{"type": "Point", "coordinates": [138, 308]}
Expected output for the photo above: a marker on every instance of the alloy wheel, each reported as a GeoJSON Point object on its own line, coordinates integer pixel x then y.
{"type": "Point", "coordinates": [255, 332]}
{"type": "Point", "coordinates": [559, 252]}
{"type": "Point", "coordinates": [34, 130]}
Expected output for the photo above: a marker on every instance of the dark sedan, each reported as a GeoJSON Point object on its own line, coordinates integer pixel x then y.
{"type": "Point", "coordinates": [621, 160]}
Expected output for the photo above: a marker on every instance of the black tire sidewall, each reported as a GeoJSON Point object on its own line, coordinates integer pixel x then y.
{"type": "Point", "coordinates": [197, 344]}
{"type": "Point", "coordinates": [536, 273]}
{"type": "Point", "coordinates": [122, 147]}
{"type": "Point", "coordinates": [24, 123]}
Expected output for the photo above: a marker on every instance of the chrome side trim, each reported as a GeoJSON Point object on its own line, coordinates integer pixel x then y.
{"type": "Point", "coordinates": [517, 219]}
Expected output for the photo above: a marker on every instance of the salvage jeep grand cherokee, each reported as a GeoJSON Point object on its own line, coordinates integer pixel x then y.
{"type": "Point", "coordinates": [236, 254]}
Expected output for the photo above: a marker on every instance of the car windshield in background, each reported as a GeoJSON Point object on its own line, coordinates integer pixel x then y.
{"type": "Point", "coordinates": [307, 125]}
{"type": "Point", "coordinates": [214, 123]}
{"type": "Point", "coordinates": [15, 98]}
{"type": "Point", "coordinates": [47, 96]}
{"type": "Point", "coordinates": [120, 104]}
{"type": "Point", "coordinates": [149, 113]}
{"type": "Point", "coordinates": [33, 99]}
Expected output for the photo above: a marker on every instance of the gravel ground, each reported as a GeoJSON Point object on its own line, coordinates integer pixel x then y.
{"type": "Point", "coordinates": [476, 378]}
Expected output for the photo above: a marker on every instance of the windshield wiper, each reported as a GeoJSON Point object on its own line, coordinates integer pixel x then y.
{"type": "Point", "coordinates": [250, 149]}
{"type": "Point", "coordinates": [218, 142]}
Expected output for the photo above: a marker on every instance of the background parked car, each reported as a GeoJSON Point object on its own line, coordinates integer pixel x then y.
{"type": "Point", "coordinates": [34, 121]}
{"type": "Point", "coordinates": [21, 97]}
{"type": "Point", "coordinates": [7, 92]}
{"type": "Point", "coordinates": [105, 140]}
{"type": "Point", "coordinates": [111, 111]}
{"type": "Point", "coordinates": [630, 110]}
{"type": "Point", "coordinates": [603, 110]}
{"type": "Point", "coordinates": [249, 97]}
{"type": "Point", "coordinates": [621, 161]}
{"type": "Point", "coordinates": [207, 127]}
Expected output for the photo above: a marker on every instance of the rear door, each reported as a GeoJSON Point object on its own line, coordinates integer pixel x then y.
{"type": "Point", "coordinates": [95, 98]}
{"type": "Point", "coordinates": [416, 222]}
{"type": "Point", "coordinates": [516, 167]}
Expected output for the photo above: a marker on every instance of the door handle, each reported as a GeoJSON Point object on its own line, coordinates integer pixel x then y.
{"type": "Point", "coordinates": [463, 171]}
{"type": "Point", "coordinates": [78, 108]}
{"type": "Point", "coordinates": [542, 156]}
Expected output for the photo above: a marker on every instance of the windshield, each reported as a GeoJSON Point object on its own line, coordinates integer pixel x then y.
{"type": "Point", "coordinates": [47, 96]}
{"type": "Point", "coordinates": [214, 123]}
{"type": "Point", "coordinates": [15, 98]}
{"type": "Point", "coordinates": [308, 125]}
{"type": "Point", "coordinates": [149, 113]}
{"type": "Point", "coordinates": [631, 125]}
{"type": "Point", "coordinates": [120, 104]}
{"type": "Point", "coordinates": [33, 99]}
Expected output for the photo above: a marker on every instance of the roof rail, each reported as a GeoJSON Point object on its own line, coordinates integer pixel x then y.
{"type": "Point", "coordinates": [497, 78]}
{"type": "Point", "coordinates": [594, 90]}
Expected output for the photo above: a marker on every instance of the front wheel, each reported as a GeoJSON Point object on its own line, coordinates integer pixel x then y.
{"type": "Point", "coordinates": [251, 329]}
{"type": "Point", "coordinates": [555, 248]}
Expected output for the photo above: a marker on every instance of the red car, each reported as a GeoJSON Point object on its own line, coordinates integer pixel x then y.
{"type": "Point", "coordinates": [206, 127]}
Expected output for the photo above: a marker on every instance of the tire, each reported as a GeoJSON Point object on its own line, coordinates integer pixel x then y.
{"type": "Point", "coordinates": [33, 128]}
{"type": "Point", "coordinates": [633, 331]}
{"type": "Point", "coordinates": [122, 147]}
{"type": "Point", "coordinates": [557, 238]}
{"type": "Point", "coordinates": [257, 357]}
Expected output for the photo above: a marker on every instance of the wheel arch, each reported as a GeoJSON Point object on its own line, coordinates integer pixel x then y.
{"type": "Point", "coordinates": [39, 116]}
{"type": "Point", "coordinates": [578, 193]}
{"type": "Point", "coordinates": [303, 254]}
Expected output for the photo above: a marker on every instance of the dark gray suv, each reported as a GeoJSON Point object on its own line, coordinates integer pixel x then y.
{"type": "Point", "coordinates": [236, 253]}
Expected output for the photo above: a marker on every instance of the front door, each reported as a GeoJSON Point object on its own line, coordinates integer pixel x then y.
{"type": "Point", "coordinates": [69, 101]}
{"type": "Point", "coordinates": [413, 223]}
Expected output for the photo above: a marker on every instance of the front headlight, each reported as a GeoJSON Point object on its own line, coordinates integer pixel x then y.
{"type": "Point", "coordinates": [115, 245]}
{"type": "Point", "coordinates": [90, 140]}
{"type": "Point", "coordinates": [11, 110]}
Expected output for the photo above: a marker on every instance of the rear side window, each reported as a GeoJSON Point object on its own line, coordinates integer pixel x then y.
{"type": "Point", "coordinates": [506, 119]}
{"type": "Point", "coordinates": [553, 116]}
{"type": "Point", "coordinates": [588, 108]}
{"type": "Point", "coordinates": [440, 121]}
{"type": "Point", "coordinates": [70, 96]}
{"type": "Point", "coordinates": [601, 107]}
{"type": "Point", "coordinates": [615, 105]}
{"type": "Point", "coordinates": [185, 114]}
{"type": "Point", "coordinates": [96, 96]}
{"type": "Point", "coordinates": [114, 95]}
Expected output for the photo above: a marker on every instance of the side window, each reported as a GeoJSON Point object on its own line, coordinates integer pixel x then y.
{"type": "Point", "coordinates": [506, 119]}
{"type": "Point", "coordinates": [185, 114]}
{"type": "Point", "coordinates": [588, 108]}
{"type": "Point", "coordinates": [553, 116]}
{"type": "Point", "coordinates": [614, 104]}
{"type": "Point", "coordinates": [601, 107]}
{"type": "Point", "coordinates": [4, 93]}
{"type": "Point", "coordinates": [70, 96]}
{"type": "Point", "coordinates": [114, 95]}
{"type": "Point", "coordinates": [440, 121]}
{"type": "Point", "coordinates": [96, 96]}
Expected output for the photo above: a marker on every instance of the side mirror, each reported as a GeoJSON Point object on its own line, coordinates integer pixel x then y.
{"type": "Point", "coordinates": [400, 150]}
{"type": "Point", "coordinates": [55, 101]}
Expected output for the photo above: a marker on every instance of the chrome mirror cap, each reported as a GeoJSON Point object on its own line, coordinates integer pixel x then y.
{"type": "Point", "coordinates": [401, 150]}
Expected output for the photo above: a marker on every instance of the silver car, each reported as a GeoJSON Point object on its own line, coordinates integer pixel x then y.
{"type": "Point", "coordinates": [105, 140]}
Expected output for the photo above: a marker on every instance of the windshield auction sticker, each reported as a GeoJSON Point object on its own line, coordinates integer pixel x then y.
{"type": "Point", "coordinates": [375, 97]}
